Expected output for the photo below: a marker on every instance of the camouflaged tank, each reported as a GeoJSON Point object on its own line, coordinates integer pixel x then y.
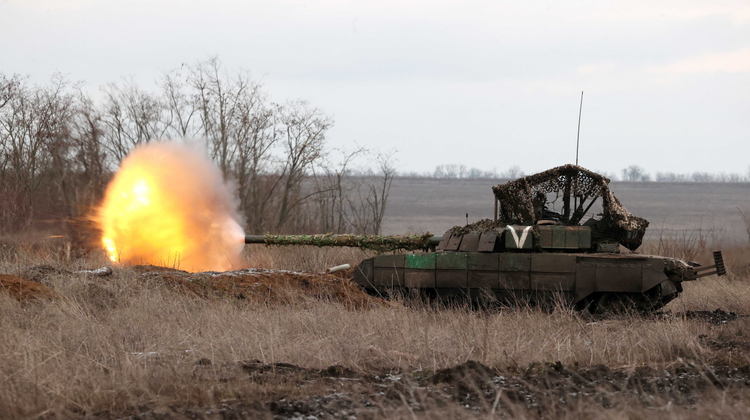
{"type": "Point", "coordinates": [556, 236]}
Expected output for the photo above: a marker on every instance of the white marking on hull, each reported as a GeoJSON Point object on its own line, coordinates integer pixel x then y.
{"type": "Point", "coordinates": [520, 242]}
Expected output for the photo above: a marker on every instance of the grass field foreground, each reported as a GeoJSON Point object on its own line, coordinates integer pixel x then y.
{"type": "Point", "coordinates": [117, 346]}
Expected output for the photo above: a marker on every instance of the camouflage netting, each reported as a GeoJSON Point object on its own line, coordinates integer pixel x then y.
{"type": "Point", "coordinates": [483, 225]}
{"type": "Point", "coordinates": [375, 242]}
{"type": "Point", "coordinates": [516, 198]}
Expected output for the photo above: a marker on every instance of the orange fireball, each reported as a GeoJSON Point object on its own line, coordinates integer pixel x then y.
{"type": "Point", "coordinates": [168, 205]}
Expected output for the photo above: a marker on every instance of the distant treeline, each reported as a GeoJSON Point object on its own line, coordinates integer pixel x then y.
{"type": "Point", "coordinates": [633, 173]}
{"type": "Point", "coordinates": [454, 171]}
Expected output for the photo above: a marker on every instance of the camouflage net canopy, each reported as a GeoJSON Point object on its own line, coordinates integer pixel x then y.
{"type": "Point", "coordinates": [523, 200]}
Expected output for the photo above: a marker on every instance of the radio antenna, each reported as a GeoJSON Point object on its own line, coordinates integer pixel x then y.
{"type": "Point", "coordinates": [578, 137]}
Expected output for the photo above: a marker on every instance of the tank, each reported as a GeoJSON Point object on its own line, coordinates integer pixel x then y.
{"type": "Point", "coordinates": [559, 236]}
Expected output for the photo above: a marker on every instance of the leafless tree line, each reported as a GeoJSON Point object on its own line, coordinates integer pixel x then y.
{"type": "Point", "coordinates": [457, 171]}
{"type": "Point", "coordinates": [635, 173]}
{"type": "Point", "coordinates": [59, 147]}
{"type": "Point", "coordinates": [701, 177]}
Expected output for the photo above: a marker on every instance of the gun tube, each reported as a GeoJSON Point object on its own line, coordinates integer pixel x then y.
{"type": "Point", "coordinates": [412, 242]}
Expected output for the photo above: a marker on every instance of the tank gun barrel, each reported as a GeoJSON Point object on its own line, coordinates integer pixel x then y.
{"type": "Point", "coordinates": [375, 242]}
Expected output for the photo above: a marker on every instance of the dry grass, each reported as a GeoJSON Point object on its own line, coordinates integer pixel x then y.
{"type": "Point", "coordinates": [110, 344]}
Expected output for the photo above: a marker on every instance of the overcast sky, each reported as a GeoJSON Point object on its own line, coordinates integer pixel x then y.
{"type": "Point", "coordinates": [484, 84]}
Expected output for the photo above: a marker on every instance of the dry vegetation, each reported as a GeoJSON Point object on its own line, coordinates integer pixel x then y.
{"type": "Point", "coordinates": [130, 346]}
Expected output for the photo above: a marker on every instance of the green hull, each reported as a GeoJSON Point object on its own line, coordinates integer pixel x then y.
{"type": "Point", "coordinates": [578, 279]}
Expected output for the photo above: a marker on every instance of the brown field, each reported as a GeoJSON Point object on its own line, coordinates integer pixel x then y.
{"type": "Point", "coordinates": [150, 343]}
{"type": "Point", "coordinates": [435, 205]}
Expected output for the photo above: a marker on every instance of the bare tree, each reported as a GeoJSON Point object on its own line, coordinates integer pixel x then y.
{"type": "Point", "coordinates": [242, 129]}
{"type": "Point", "coordinates": [635, 173]}
{"type": "Point", "coordinates": [257, 134]}
{"type": "Point", "coordinates": [358, 212]}
{"type": "Point", "coordinates": [15, 144]}
{"type": "Point", "coordinates": [461, 171]}
{"type": "Point", "coordinates": [90, 156]}
{"type": "Point", "coordinates": [304, 144]}
{"type": "Point", "coordinates": [670, 177]}
{"type": "Point", "coordinates": [379, 192]}
{"type": "Point", "coordinates": [181, 106]}
{"type": "Point", "coordinates": [220, 101]}
{"type": "Point", "coordinates": [56, 110]}
{"type": "Point", "coordinates": [8, 91]}
{"type": "Point", "coordinates": [367, 204]}
{"type": "Point", "coordinates": [131, 117]}
{"type": "Point", "coordinates": [745, 219]}
{"type": "Point", "coordinates": [475, 173]}
{"type": "Point", "coordinates": [8, 88]}
{"type": "Point", "coordinates": [333, 189]}
{"type": "Point", "coordinates": [34, 125]}
{"type": "Point", "coordinates": [449, 171]}
{"type": "Point", "coordinates": [512, 173]}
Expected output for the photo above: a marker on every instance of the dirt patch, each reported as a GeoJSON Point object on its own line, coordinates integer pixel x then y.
{"type": "Point", "coordinates": [260, 372]}
{"type": "Point", "coordinates": [719, 344]}
{"type": "Point", "coordinates": [22, 289]}
{"type": "Point", "coordinates": [470, 372]}
{"type": "Point", "coordinates": [274, 287]}
{"type": "Point", "coordinates": [471, 389]}
{"type": "Point", "coordinates": [715, 317]}
{"type": "Point", "coordinates": [541, 388]}
{"type": "Point", "coordinates": [549, 388]}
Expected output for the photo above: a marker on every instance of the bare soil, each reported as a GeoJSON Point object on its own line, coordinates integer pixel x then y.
{"type": "Point", "coordinates": [716, 317]}
{"type": "Point", "coordinates": [274, 287]}
{"type": "Point", "coordinates": [22, 289]}
{"type": "Point", "coordinates": [471, 389]}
